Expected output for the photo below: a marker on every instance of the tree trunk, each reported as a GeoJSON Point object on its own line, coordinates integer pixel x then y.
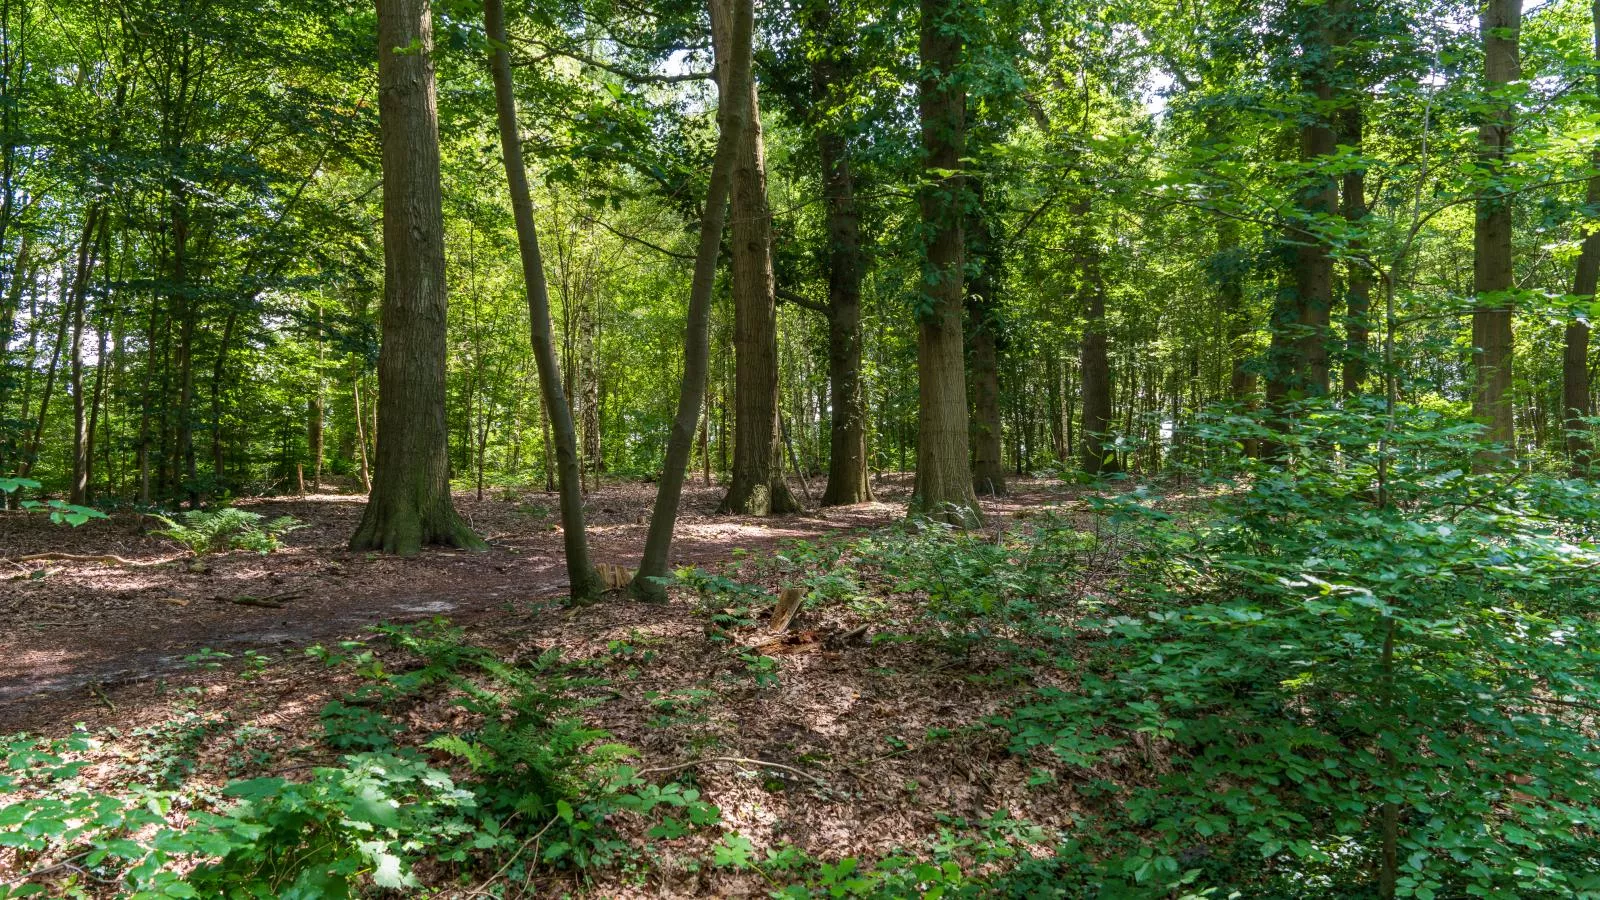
{"type": "Point", "coordinates": [757, 486]}
{"type": "Point", "coordinates": [1313, 262]}
{"type": "Point", "coordinates": [410, 502]}
{"type": "Point", "coordinates": [983, 311]}
{"type": "Point", "coordinates": [582, 578]}
{"type": "Point", "coordinates": [1500, 22]}
{"type": "Point", "coordinates": [944, 475]}
{"type": "Point", "coordinates": [732, 110]}
{"type": "Point", "coordinates": [79, 493]}
{"type": "Point", "coordinates": [848, 480]}
{"type": "Point", "coordinates": [1576, 400]}
{"type": "Point", "coordinates": [1358, 281]}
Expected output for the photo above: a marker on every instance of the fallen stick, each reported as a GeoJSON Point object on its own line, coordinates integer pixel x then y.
{"type": "Point", "coordinates": [737, 760]}
{"type": "Point", "coordinates": [103, 558]}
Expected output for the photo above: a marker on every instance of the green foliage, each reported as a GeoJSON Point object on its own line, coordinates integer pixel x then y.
{"type": "Point", "coordinates": [61, 512]}
{"type": "Point", "coordinates": [204, 532]}
{"type": "Point", "coordinates": [1330, 644]}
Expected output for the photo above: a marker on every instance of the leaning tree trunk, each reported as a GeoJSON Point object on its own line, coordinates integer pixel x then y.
{"type": "Point", "coordinates": [1500, 22]}
{"type": "Point", "coordinates": [988, 466]}
{"type": "Point", "coordinates": [1576, 403]}
{"type": "Point", "coordinates": [410, 502]}
{"type": "Point", "coordinates": [583, 580]}
{"type": "Point", "coordinates": [944, 476]}
{"type": "Point", "coordinates": [731, 112]}
{"type": "Point", "coordinates": [757, 486]}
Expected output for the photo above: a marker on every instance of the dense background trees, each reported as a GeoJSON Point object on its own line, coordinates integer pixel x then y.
{"type": "Point", "coordinates": [1125, 213]}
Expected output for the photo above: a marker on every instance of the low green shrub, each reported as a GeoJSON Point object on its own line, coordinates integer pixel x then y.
{"type": "Point", "coordinates": [205, 532]}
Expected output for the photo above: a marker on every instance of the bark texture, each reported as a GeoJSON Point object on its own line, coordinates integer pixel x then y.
{"type": "Point", "coordinates": [410, 501]}
{"type": "Point", "coordinates": [944, 476]}
{"type": "Point", "coordinates": [757, 486]}
{"type": "Point", "coordinates": [1500, 23]}
{"type": "Point", "coordinates": [1358, 280]}
{"type": "Point", "coordinates": [1095, 361]}
{"type": "Point", "coordinates": [733, 81]}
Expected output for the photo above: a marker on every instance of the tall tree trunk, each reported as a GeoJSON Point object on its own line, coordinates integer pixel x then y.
{"type": "Point", "coordinates": [79, 492]}
{"type": "Point", "coordinates": [1319, 197]}
{"type": "Point", "coordinates": [732, 112]}
{"type": "Point", "coordinates": [1576, 401]}
{"type": "Point", "coordinates": [583, 580]}
{"type": "Point", "coordinates": [1095, 361]}
{"type": "Point", "coordinates": [944, 475]}
{"type": "Point", "coordinates": [983, 313]}
{"type": "Point", "coordinates": [1358, 281]}
{"type": "Point", "coordinates": [757, 486]}
{"type": "Point", "coordinates": [361, 429]}
{"type": "Point", "coordinates": [1500, 24]}
{"type": "Point", "coordinates": [848, 474]}
{"type": "Point", "coordinates": [410, 503]}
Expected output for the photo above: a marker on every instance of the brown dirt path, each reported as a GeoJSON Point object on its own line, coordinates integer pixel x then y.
{"type": "Point", "coordinates": [75, 628]}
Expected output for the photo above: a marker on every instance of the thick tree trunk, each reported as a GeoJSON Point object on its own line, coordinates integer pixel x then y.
{"type": "Point", "coordinates": [1576, 400]}
{"type": "Point", "coordinates": [410, 502]}
{"type": "Point", "coordinates": [757, 486]}
{"type": "Point", "coordinates": [734, 88]}
{"type": "Point", "coordinates": [1500, 22]}
{"type": "Point", "coordinates": [944, 475]}
{"type": "Point", "coordinates": [1096, 375]}
{"type": "Point", "coordinates": [1319, 197]}
{"type": "Point", "coordinates": [582, 578]}
{"type": "Point", "coordinates": [983, 313]}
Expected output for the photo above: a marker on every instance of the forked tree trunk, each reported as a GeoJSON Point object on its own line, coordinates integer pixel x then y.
{"type": "Point", "coordinates": [1576, 403]}
{"type": "Point", "coordinates": [731, 114]}
{"type": "Point", "coordinates": [410, 502]}
{"type": "Point", "coordinates": [1500, 22]}
{"type": "Point", "coordinates": [757, 486]}
{"type": "Point", "coordinates": [944, 475]}
{"type": "Point", "coordinates": [583, 580]}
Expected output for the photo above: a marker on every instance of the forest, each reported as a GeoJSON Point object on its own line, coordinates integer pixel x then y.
{"type": "Point", "coordinates": [799, 449]}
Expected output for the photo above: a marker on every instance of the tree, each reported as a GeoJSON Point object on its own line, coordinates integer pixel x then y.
{"type": "Point", "coordinates": [410, 503]}
{"type": "Point", "coordinates": [1500, 23]}
{"type": "Point", "coordinates": [582, 579]}
{"type": "Point", "coordinates": [732, 110]}
{"type": "Point", "coordinates": [944, 478]}
{"type": "Point", "coordinates": [758, 487]}
{"type": "Point", "coordinates": [1576, 402]}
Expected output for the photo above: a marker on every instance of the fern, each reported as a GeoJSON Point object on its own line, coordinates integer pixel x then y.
{"type": "Point", "coordinates": [205, 532]}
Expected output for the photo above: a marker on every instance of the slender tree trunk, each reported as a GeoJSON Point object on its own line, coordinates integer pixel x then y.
{"type": "Point", "coordinates": [1358, 281]}
{"type": "Point", "coordinates": [583, 580]}
{"type": "Point", "coordinates": [983, 311]}
{"type": "Point", "coordinates": [944, 475]}
{"type": "Point", "coordinates": [1500, 22]}
{"type": "Point", "coordinates": [757, 486]}
{"type": "Point", "coordinates": [1094, 362]}
{"type": "Point", "coordinates": [79, 493]}
{"type": "Point", "coordinates": [410, 503]}
{"type": "Point", "coordinates": [361, 429]}
{"type": "Point", "coordinates": [732, 111]}
{"type": "Point", "coordinates": [1576, 400]}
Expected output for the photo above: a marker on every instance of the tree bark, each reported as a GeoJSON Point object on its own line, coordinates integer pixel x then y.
{"type": "Point", "coordinates": [1319, 197]}
{"type": "Point", "coordinates": [757, 486]}
{"type": "Point", "coordinates": [583, 579]}
{"type": "Point", "coordinates": [731, 115]}
{"type": "Point", "coordinates": [410, 503]}
{"type": "Point", "coordinates": [848, 473]}
{"type": "Point", "coordinates": [943, 488]}
{"type": "Point", "coordinates": [79, 492]}
{"type": "Point", "coordinates": [1500, 24]}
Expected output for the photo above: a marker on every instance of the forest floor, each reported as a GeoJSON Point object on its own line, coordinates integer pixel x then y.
{"type": "Point", "coordinates": [70, 631]}
{"type": "Point", "coordinates": [867, 722]}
